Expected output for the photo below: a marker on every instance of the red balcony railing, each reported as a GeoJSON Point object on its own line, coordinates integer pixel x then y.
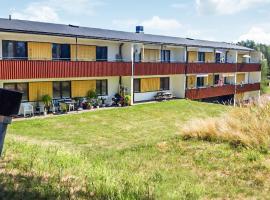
{"type": "Point", "coordinates": [248, 87]}
{"type": "Point", "coordinates": [202, 93]}
{"type": "Point", "coordinates": [23, 69]}
{"type": "Point", "coordinates": [61, 69]}
{"type": "Point", "coordinates": [197, 68]}
{"type": "Point", "coordinates": [159, 68]}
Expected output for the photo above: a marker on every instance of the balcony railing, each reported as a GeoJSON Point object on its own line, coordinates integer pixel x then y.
{"type": "Point", "coordinates": [215, 91]}
{"type": "Point", "coordinates": [197, 68]}
{"type": "Point", "coordinates": [27, 69]}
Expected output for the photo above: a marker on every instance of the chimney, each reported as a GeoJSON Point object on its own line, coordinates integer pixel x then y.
{"type": "Point", "coordinates": [9, 17]}
{"type": "Point", "coordinates": [139, 29]}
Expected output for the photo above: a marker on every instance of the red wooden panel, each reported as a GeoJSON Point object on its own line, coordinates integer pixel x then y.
{"type": "Point", "coordinates": [210, 92]}
{"type": "Point", "coordinates": [61, 69]}
{"type": "Point", "coordinates": [197, 68]}
{"type": "Point", "coordinates": [158, 68]}
{"type": "Point", "coordinates": [248, 87]}
{"type": "Point", "coordinates": [248, 67]}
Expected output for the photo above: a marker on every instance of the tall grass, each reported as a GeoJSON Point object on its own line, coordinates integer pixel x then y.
{"type": "Point", "coordinates": [249, 127]}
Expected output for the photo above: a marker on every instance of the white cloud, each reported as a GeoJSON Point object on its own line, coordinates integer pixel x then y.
{"type": "Point", "coordinates": [179, 5]}
{"type": "Point", "coordinates": [259, 33]}
{"type": "Point", "coordinates": [225, 7]}
{"type": "Point", "coordinates": [37, 12]}
{"type": "Point", "coordinates": [157, 23]}
{"type": "Point", "coordinates": [50, 10]}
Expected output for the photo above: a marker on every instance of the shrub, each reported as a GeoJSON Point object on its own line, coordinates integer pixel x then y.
{"type": "Point", "coordinates": [91, 94]}
{"type": "Point", "coordinates": [47, 100]}
{"type": "Point", "coordinates": [248, 127]}
{"type": "Point", "coordinates": [127, 100]}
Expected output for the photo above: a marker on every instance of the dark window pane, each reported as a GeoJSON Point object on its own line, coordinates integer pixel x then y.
{"type": "Point", "coordinates": [216, 79]}
{"type": "Point", "coordinates": [61, 51]}
{"type": "Point", "coordinates": [21, 87]}
{"type": "Point", "coordinates": [137, 85]}
{"type": "Point", "coordinates": [101, 53]}
{"type": "Point", "coordinates": [65, 52]}
{"type": "Point", "coordinates": [101, 87]}
{"type": "Point", "coordinates": [56, 90]}
{"type": "Point", "coordinates": [200, 81]}
{"type": "Point", "coordinates": [65, 89]}
{"type": "Point", "coordinates": [165, 55]}
{"type": "Point", "coordinates": [201, 57]}
{"type": "Point", "coordinates": [21, 50]}
{"type": "Point", "coordinates": [7, 50]}
{"type": "Point", "coordinates": [165, 83]}
{"type": "Point", "coordinates": [218, 57]}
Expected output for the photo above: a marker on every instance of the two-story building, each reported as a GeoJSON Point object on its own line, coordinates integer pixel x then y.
{"type": "Point", "coordinates": [66, 61]}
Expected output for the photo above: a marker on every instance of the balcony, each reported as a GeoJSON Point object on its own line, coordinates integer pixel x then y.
{"type": "Point", "coordinates": [202, 93]}
{"type": "Point", "coordinates": [199, 68]}
{"type": "Point", "coordinates": [12, 69]}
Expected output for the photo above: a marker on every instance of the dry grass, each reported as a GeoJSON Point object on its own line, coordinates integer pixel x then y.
{"type": "Point", "coordinates": [249, 127]}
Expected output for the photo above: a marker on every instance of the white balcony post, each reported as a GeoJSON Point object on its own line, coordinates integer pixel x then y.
{"type": "Point", "coordinates": [132, 74]}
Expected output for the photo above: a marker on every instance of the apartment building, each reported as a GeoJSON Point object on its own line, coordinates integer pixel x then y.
{"type": "Point", "coordinates": [66, 61]}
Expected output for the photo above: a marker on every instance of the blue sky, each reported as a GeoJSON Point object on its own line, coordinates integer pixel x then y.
{"type": "Point", "coordinates": [221, 20]}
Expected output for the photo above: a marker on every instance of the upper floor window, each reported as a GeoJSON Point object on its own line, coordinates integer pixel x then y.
{"type": "Point", "coordinates": [201, 56]}
{"type": "Point", "coordinates": [218, 57]}
{"type": "Point", "coordinates": [21, 87]}
{"type": "Point", "coordinates": [61, 51]}
{"type": "Point", "coordinates": [14, 50]}
{"type": "Point", "coordinates": [165, 55]}
{"type": "Point", "coordinates": [102, 53]}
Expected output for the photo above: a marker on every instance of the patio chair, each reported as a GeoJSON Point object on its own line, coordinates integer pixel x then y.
{"type": "Point", "coordinates": [55, 106]}
{"type": "Point", "coordinates": [27, 108]}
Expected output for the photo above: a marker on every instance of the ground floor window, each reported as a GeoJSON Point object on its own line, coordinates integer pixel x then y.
{"type": "Point", "coordinates": [21, 87]}
{"type": "Point", "coordinates": [137, 85]}
{"type": "Point", "coordinates": [216, 79]}
{"type": "Point", "coordinates": [200, 81]}
{"type": "Point", "coordinates": [102, 87]}
{"type": "Point", "coordinates": [61, 90]}
{"type": "Point", "coordinates": [165, 83]}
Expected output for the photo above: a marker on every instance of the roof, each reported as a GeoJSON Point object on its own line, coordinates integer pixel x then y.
{"type": "Point", "coordinates": [32, 27]}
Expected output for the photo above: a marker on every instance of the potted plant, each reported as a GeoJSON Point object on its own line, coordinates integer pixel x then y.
{"type": "Point", "coordinates": [63, 108]}
{"type": "Point", "coordinates": [98, 102]}
{"type": "Point", "coordinates": [47, 100]}
{"type": "Point", "coordinates": [127, 100]}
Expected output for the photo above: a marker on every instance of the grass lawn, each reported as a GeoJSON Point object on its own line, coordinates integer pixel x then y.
{"type": "Point", "coordinates": [128, 153]}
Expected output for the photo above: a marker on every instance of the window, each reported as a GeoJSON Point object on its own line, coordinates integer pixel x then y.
{"type": "Point", "coordinates": [165, 83]}
{"type": "Point", "coordinates": [216, 79]}
{"type": "Point", "coordinates": [61, 90]}
{"type": "Point", "coordinates": [101, 53]}
{"type": "Point", "coordinates": [21, 87]}
{"type": "Point", "coordinates": [61, 51]}
{"type": "Point", "coordinates": [137, 85]}
{"type": "Point", "coordinates": [14, 50]}
{"type": "Point", "coordinates": [201, 56]}
{"type": "Point", "coordinates": [200, 81]}
{"type": "Point", "coordinates": [165, 55]}
{"type": "Point", "coordinates": [218, 57]}
{"type": "Point", "coordinates": [102, 87]}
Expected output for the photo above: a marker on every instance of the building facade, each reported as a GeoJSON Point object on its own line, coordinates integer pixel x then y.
{"type": "Point", "coordinates": [66, 61]}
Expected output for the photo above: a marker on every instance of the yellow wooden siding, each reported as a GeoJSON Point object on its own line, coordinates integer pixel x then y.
{"type": "Point", "coordinates": [151, 55]}
{"type": "Point", "coordinates": [240, 78]}
{"type": "Point", "coordinates": [38, 89]}
{"type": "Point", "coordinates": [192, 56]}
{"type": "Point", "coordinates": [210, 79]}
{"type": "Point", "coordinates": [191, 81]}
{"type": "Point", "coordinates": [84, 52]}
{"type": "Point", "coordinates": [209, 57]}
{"type": "Point", "coordinates": [81, 88]}
{"type": "Point", "coordinates": [205, 81]}
{"type": "Point", "coordinates": [39, 51]}
{"type": "Point", "coordinates": [150, 84]}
